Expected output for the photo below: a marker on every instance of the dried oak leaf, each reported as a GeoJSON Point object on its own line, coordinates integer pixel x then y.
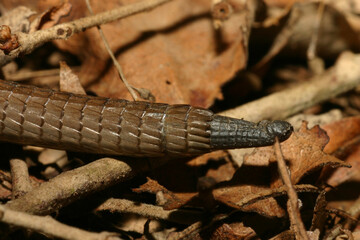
{"type": "Point", "coordinates": [320, 215]}
{"type": "Point", "coordinates": [69, 82]}
{"type": "Point", "coordinates": [264, 204]}
{"type": "Point", "coordinates": [231, 231]}
{"type": "Point", "coordinates": [167, 199]}
{"type": "Point", "coordinates": [249, 191]}
{"type": "Point", "coordinates": [249, 181]}
{"type": "Point", "coordinates": [53, 15]}
{"type": "Point", "coordinates": [342, 175]}
{"type": "Point", "coordinates": [50, 16]}
{"type": "Point", "coordinates": [341, 132]}
{"type": "Point", "coordinates": [172, 50]}
{"type": "Point", "coordinates": [303, 151]}
{"type": "Point", "coordinates": [344, 142]}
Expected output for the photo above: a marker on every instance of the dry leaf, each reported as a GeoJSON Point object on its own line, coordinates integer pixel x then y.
{"type": "Point", "coordinates": [53, 15]}
{"type": "Point", "coordinates": [69, 82]}
{"type": "Point", "coordinates": [232, 195]}
{"type": "Point", "coordinates": [170, 50]}
{"type": "Point", "coordinates": [320, 214]}
{"type": "Point", "coordinates": [165, 198]}
{"type": "Point", "coordinates": [256, 198]}
{"type": "Point", "coordinates": [344, 142]}
{"type": "Point", "coordinates": [233, 231]}
{"type": "Point", "coordinates": [303, 151]}
{"type": "Point", "coordinates": [342, 175]}
{"type": "Point", "coordinates": [249, 181]}
{"type": "Point", "coordinates": [341, 132]}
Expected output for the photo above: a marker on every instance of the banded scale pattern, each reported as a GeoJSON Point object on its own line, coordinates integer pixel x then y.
{"type": "Point", "coordinates": [48, 118]}
{"type": "Point", "coordinates": [42, 117]}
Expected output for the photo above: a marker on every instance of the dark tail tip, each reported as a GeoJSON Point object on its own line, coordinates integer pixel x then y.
{"type": "Point", "coordinates": [280, 129]}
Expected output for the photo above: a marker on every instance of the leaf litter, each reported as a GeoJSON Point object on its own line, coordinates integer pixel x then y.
{"type": "Point", "coordinates": [164, 51]}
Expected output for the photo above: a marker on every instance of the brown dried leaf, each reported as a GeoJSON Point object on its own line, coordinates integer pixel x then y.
{"type": "Point", "coordinates": [258, 199]}
{"type": "Point", "coordinates": [341, 132]}
{"type": "Point", "coordinates": [165, 198]}
{"type": "Point", "coordinates": [320, 214]}
{"type": "Point", "coordinates": [182, 63]}
{"type": "Point", "coordinates": [342, 175]}
{"type": "Point", "coordinates": [249, 181]}
{"type": "Point", "coordinates": [53, 15]}
{"type": "Point", "coordinates": [344, 142]}
{"type": "Point", "coordinates": [233, 231]}
{"type": "Point", "coordinates": [49, 16]}
{"type": "Point", "coordinates": [303, 151]}
{"type": "Point", "coordinates": [170, 50]}
{"type": "Point", "coordinates": [69, 82]}
{"type": "Point", "coordinates": [223, 173]}
{"type": "Point", "coordinates": [232, 195]}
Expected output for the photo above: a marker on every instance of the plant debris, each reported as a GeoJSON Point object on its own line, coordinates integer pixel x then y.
{"type": "Point", "coordinates": [271, 59]}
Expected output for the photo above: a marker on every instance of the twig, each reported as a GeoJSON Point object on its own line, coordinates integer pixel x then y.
{"type": "Point", "coordinates": [73, 185]}
{"type": "Point", "coordinates": [274, 20]}
{"type": "Point", "coordinates": [50, 226]}
{"type": "Point", "coordinates": [150, 211]}
{"type": "Point", "coordinates": [116, 63]}
{"type": "Point", "coordinates": [282, 38]}
{"type": "Point", "coordinates": [293, 208]}
{"type": "Point", "coordinates": [29, 42]}
{"type": "Point", "coordinates": [311, 52]}
{"type": "Point", "coordinates": [20, 178]}
{"type": "Point", "coordinates": [316, 64]}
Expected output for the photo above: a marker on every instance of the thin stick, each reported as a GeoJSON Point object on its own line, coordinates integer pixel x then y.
{"type": "Point", "coordinates": [316, 64]}
{"type": "Point", "coordinates": [293, 208]}
{"type": "Point", "coordinates": [281, 39]}
{"type": "Point", "coordinates": [116, 63]}
{"type": "Point", "coordinates": [29, 42]}
{"type": "Point", "coordinates": [311, 52]}
{"type": "Point", "coordinates": [49, 226]}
